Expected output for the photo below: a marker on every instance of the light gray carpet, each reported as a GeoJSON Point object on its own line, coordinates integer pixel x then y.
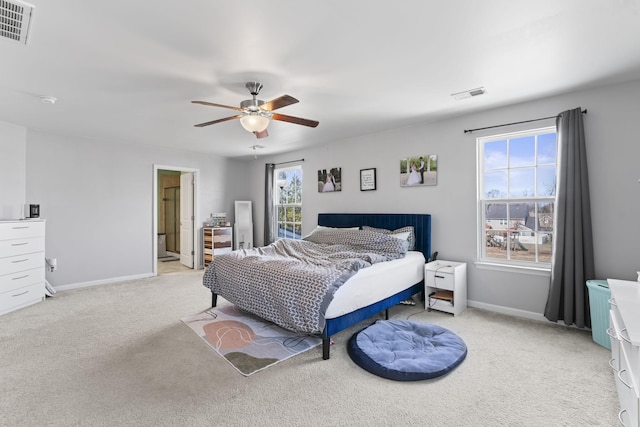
{"type": "Point", "coordinates": [118, 355]}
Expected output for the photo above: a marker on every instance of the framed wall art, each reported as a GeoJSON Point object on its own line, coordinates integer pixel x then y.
{"type": "Point", "coordinates": [367, 179]}
{"type": "Point", "coordinates": [419, 170]}
{"type": "Point", "coordinates": [329, 180]}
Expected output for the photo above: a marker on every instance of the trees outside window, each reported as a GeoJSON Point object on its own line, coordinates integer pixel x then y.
{"type": "Point", "coordinates": [289, 202]}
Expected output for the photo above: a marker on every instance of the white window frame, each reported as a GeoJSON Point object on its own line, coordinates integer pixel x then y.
{"type": "Point", "coordinates": [277, 204]}
{"type": "Point", "coordinates": [484, 261]}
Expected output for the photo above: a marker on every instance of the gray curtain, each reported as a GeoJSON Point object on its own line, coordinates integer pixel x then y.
{"type": "Point", "coordinates": [269, 204]}
{"type": "Point", "coordinates": [572, 263]}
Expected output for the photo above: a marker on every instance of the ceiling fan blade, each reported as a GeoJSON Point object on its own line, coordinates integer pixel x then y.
{"type": "Point", "coordinates": [296, 120]}
{"type": "Point", "coordinates": [211, 104]}
{"type": "Point", "coordinates": [218, 121]}
{"type": "Point", "coordinates": [279, 102]}
{"type": "Point", "coordinates": [262, 134]}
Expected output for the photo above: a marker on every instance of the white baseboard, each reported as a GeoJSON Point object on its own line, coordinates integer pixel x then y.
{"type": "Point", "coordinates": [102, 282]}
{"type": "Point", "coordinates": [508, 311]}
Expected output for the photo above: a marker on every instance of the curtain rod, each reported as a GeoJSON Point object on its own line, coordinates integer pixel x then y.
{"type": "Point", "coordinates": [515, 123]}
{"type": "Point", "coordinates": [290, 161]}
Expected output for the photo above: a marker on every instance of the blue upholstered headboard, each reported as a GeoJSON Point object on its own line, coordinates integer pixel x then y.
{"type": "Point", "coordinates": [420, 222]}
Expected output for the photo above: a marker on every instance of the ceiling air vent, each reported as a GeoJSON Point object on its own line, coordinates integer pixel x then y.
{"type": "Point", "coordinates": [468, 93]}
{"type": "Point", "coordinates": [15, 20]}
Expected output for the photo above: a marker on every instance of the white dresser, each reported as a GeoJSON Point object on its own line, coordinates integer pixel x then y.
{"type": "Point", "coordinates": [21, 264]}
{"type": "Point", "coordinates": [625, 347]}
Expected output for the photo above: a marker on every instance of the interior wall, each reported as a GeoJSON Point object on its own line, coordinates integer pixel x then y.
{"type": "Point", "coordinates": [612, 152]}
{"type": "Point", "coordinates": [12, 171]}
{"type": "Point", "coordinates": [100, 224]}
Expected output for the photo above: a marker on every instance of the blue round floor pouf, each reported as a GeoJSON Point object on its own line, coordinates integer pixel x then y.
{"type": "Point", "coordinates": [406, 351]}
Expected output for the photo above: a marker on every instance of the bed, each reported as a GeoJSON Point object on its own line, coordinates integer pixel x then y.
{"type": "Point", "coordinates": [356, 299]}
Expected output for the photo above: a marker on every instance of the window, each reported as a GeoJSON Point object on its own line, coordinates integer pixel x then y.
{"type": "Point", "coordinates": [289, 202]}
{"type": "Point", "coordinates": [516, 194]}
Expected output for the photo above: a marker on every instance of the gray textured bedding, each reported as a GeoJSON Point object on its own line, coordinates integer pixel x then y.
{"type": "Point", "coordinates": [291, 282]}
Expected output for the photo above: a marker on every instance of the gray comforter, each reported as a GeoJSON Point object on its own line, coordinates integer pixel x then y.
{"type": "Point", "coordinates": [292, 282]}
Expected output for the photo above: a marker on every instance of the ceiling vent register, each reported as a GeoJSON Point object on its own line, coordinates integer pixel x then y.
{"type": "Point", "coordinates": [15, 20]}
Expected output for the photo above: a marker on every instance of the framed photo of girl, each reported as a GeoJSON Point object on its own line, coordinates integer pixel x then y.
{"type": "Point", "coordinates": [419, 170]}
{"type": "Point", "coordinates": [329, 180]}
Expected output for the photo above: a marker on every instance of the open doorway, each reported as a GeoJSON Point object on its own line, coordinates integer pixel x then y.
{"type": "Point", "coordinates": [175, 246]}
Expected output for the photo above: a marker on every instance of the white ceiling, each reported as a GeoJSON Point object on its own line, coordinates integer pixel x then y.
{"type": "Point", "coordinates": [125, 71]}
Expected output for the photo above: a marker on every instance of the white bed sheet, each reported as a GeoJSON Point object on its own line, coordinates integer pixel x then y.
{"type": "Point", "coordinates": [376, 283]}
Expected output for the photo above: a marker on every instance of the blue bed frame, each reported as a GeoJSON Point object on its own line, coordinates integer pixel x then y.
{"type": "Point", "coordinates": [422, 227]}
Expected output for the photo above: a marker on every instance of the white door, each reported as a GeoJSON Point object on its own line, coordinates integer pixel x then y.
{"type": "Point", "coordinates": [186, 219]}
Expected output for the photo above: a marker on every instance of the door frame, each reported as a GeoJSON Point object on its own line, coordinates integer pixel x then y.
{"type": "Point", "coordinates": [196, 216]}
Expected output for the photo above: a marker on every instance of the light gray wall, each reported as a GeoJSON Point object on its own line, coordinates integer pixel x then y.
{"type": "Point", "coordinates": [12, 171]}
{"type": "Point", "coordinates": [97, 199]}
{"type": "Point", "coordinates": [613, 153]}
{"type": "Point", "coordinates": [97, 196]}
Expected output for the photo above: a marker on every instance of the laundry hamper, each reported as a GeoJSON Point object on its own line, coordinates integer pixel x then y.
{"type": "Point", "coordinates": [599, 295]}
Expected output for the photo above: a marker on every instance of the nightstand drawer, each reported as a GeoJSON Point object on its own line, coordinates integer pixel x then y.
{"type": "Point", "coordinates": [440, 280]}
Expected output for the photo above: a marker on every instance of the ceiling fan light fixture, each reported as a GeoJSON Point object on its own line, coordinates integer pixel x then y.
{"type": "Point", "coordinates": [254, 122]}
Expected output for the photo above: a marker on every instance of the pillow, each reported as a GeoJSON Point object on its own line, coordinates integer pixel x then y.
{"type": "Point", "coordinates": [401, 236]}
{"type": "Point", "coordinates": [383, 245]}
{"type": "Point", "coordinates": [322, 227]}
{"type": "Point", "coordinates": [411, 239]}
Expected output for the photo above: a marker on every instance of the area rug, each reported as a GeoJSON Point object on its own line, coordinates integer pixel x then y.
{"type": "Point", "coordinates": [247, 342]}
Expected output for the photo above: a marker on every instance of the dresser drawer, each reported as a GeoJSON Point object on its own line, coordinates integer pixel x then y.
{"type": "Point", "coordinates": [222, 231]}
{"type": "Point", "coordinates": [627, 394]}
{"type": "Point", "coordinates": [21, 230]}
{"type": "Point", "coordinates": [220, 244]}
{"type": "Point", "coordinates": [22, 297]}
{"type": "Point", "coordinates": [21, 279]}
{"type": "Point", "coordinates": [21, 246]}
{"type": "Point", "coordinates": [615, 342]}
{"type": "Point", "coordinates": [21, 262]}
{"type": "Point", "coordinates": [220, 251]}
{"type": "Point", "coordinates": [438, 279]}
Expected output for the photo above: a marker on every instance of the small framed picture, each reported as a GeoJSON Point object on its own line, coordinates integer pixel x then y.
{"type": "Point", "coordinates": [367, 179]}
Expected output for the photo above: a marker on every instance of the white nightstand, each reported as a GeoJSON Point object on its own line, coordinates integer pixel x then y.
{"type": "Point", "coordinates": [445, 286]}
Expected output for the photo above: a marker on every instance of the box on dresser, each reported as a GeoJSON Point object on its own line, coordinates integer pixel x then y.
{"type": "Point", "coordinates": [22, 264]}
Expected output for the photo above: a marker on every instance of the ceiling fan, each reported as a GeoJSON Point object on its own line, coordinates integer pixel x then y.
{"type": "Point", "coordinates": [255, 114]}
